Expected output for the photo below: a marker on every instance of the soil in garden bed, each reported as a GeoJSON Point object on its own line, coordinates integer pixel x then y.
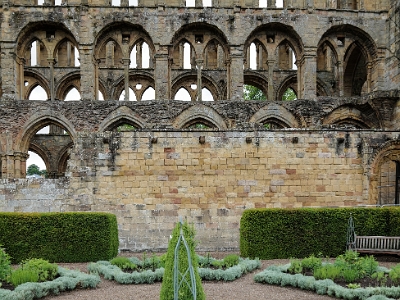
{"type": "Point", "coordinates": [7, 286]}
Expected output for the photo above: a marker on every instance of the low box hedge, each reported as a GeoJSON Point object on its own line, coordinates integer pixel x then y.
{"type": "Point", "coordinates": [59, 237]}
{"type": "Point", "coordinates": [286, 233]}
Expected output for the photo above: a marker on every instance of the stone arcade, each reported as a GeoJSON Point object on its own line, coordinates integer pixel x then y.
{"type": "Point", "coordinates": [149, 161]}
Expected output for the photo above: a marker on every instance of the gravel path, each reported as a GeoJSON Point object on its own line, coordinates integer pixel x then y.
{"type": "Point", "coordinates": [243, 288]}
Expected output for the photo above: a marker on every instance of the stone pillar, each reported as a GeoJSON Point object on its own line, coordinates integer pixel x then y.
{"type": "Point", "coordinates": [126, 62]}
{"type": "Point", "coordinates": [21, 84]}
{"type": "Point", "coordinates": [3, 166]}
{"type": "Point", "coordinates": [181, 56]}
{"type": "Point", "coordinates": [139, 55]}
{"type": "Point", "coordinates": [309, 74]}
{"type": "Point", "coordinates": [259, 57]}
{"type": "Point", "coordinates": [17, 165]}
{"type": "Point", "coordinates": [87, 69]}
{"type": "Point", "coordinates": [199, 3]}
{"type": "Point", "coordinates": [236, 76]}
{"type": "Point", "coordinates": [271, 3]}
{"type": "Point", "coordinates": [271, 92]}
{"type": "Point", "coordinates": [369, 77]}
{"type": "Point", "coordinates": [10, 166]}
{"type": "Point", "coordinates": [341, 79]}
{"type": "Point", "coordinates": [199, 64]}
{"type": "Point", "coordinates": [162, 74]}
{"type": "Point", "coordinates": [96, 63]}
{"type": "Point", "coordinates": [51, 62]}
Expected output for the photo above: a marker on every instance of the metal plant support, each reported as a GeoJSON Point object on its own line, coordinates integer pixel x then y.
{"type": "Point", "coordinates": [180, 278]}
{"type": "Point", "coordinates": [351, 235]}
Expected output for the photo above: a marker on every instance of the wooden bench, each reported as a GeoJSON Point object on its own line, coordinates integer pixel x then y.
{"type": "Point", "coordinates": [377, 244]}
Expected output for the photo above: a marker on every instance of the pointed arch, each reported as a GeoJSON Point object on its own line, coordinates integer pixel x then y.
{"type": "Point", "coordinates": [40, 120]}
{"type": "Point", "coordinates": [199, 112]}
{"type": "Point", "coordinates": [183, 95]}
{"type": "Point", "coordinates": [125, 114]}
{"type": "Point", "coordinates": [278, 114]}
{"type": "Point", "coordinates": [38, 93]}
{"type": "Point", "coordinates": [350, 117]}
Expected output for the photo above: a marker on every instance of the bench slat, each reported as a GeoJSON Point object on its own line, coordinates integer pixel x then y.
{"type": "Point", "coordinates": [377, 244]}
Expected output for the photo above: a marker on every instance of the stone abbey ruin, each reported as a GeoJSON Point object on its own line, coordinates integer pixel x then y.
{"type": "Point", "coordinates": [130, 145]}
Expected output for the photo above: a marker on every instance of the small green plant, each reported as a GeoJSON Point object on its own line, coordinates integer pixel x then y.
{"type": "Point", "coordinates": [295, 266]}
{"type": "Point", "coordinates": [45, 270]}
{"type": "Point", "coordinates": [311, 262]}
{"type": "Point", "coordinates": [327, 272]}
{"type": "Point", "coordinates": [123, 263]}
{"type": "Point", "coordinates": [231, 260]}
{"type": "Point", "coordinates": [394, 274]}
{"type": "Point", "coordinates": [350, 275]}
{"type": "Point", "coordinates": [5, 264]}
{"type": "Point", "coordinates": [219, 264]}
{"type": "Point", "coordinates": [20, 276]}
{"type": "Point", "coordinates": [380, 277]}
{"type": "Point", "coordinates": [353, 285]}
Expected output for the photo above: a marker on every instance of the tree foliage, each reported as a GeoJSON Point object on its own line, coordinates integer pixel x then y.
{"type": "Point", "coordinates": [34, 169]}
{"type": "Point", "coordinates": [289, 95]}
{"type": "Point", "coordinates": [253, 93]}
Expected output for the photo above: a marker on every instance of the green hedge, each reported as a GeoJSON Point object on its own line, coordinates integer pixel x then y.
{"type": "Point", "coordinates": [59, 237]}
{"type": "Point", "coordinates": [286, 233]}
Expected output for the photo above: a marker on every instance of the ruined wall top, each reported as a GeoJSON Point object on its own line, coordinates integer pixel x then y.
{"type": "Point", "coordinates": [363, 5]}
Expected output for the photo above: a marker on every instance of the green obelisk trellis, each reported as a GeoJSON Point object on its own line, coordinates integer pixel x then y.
{"type": "Point", "coordinates": [179, 277]}
{"type": "Point", "coordinates": [351, 235]}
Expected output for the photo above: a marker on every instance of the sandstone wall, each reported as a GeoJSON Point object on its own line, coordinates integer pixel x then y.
{"type": "Point", "coordinates": [150, 178]}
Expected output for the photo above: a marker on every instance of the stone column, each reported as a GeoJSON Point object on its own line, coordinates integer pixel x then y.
{"type": "Point", "coordinates": [3, 166]}
{"type": "Point", "coordinates": [271, 3]}
{"type": "Point", "coordinates": [271, 92]}
{"type": "Point", "coordinates": [236, 75]}
{"type": "Point", "coordinates": [199, 65]}
{"type": "Point", "coordinates": [51, 62]}
{"type": "Point", "coordinates": [199, 3]}
{"type": "Point", "coordinates": [21, 71]}
{"type": "Point", "coordinates": [87, 69]}
{"type": "Point", "coordinates": [341, 79]}
{"type": "Point", "coordinates": [309, 73]}
{"type": "Point", "coordinates": [96, 63]}
{"type": "Point", "coordinates": [126, 62]}
{"type": "Point", "coordinates": [139, 55]}
{"type": "Point", "coordinates": [17, 165]}
{"type": "Point", "coordinates": [162, 75]}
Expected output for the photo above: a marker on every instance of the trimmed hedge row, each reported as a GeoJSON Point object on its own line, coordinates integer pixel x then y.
{"type": "Point", "coordinates": [286, 233]}
{"type": "Point", "coordinates": [59, 237]}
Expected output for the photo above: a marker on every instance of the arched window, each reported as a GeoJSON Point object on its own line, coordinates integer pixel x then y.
{"type": "Point", "coordinates": [67, 55]}
{"type": "Point", "coordinates": [149, 94]}
{"type": "Point", "coordinates": [116, 2]}
{"type": "Point", "coordinates": [58, 2]}
{"type": "Point", "coordinates": [207, 3]}
{"type": "Point", "coordinates": [183, 95]}
{"type": "Point", "coordinates": [140, 56]}
{"type": "Point", "coordinates": [37, 54]}
{"type": "Point", "coordinates": [132, 96]}
{"type": "Point", "coordinates": [253, 57]}
{"type": "Point", "coordinates": [206, 95]}
{"type": "Point", "coordinates": [40, 2]}
{"type": "Point", "coordinates": [73, 95]}
{"type": "Point", "coordinates": [187, 56]}
{"type": "Point", "coordinates": [286, 57]}
{"type": "Point", "coordinates": [38, 93]}
{"type": "Point", "coordinates": [133, 3]}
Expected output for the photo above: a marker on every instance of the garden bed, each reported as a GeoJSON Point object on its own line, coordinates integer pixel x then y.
{"type": "Point", "coordinates": [348, 277]}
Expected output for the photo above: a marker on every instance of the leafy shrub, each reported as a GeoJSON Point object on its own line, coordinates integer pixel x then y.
{"type": "Point", "coordinates": [167, 287]}
{"type": "Point", "coordinates": [123, 263]}
{"type": "Point", "coordinates": [380, 277]}
{"type": "Point", "coordinates": [295, 266]}
{"type": "Point", "coordinates": [20, 276]}
{"type": "Point", "coordinates": [327, 272]}
{"type": "Point", "coordinates": [394, 274]}
{"type": "Point", "coordinates": [59, 237]}
{"type": "Point", "coordinates": [231, 260]}
{"type": "Point", "coordinates": [5, 264]}
{"type": "Point", "coordinates": [45, 270]}
{"type": "Point", "coordinates": [311, 262]}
